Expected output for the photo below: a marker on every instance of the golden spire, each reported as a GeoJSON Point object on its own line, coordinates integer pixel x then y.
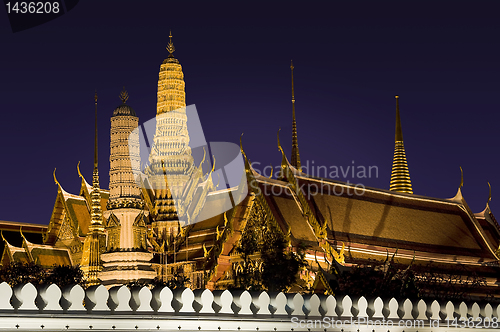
{"type": "Point", "coordinates": [95, 131]}
{"type": "Point", "coordinates": [295, 145]}
{"type": "Point", "coordinates": [95, 239]}
{"type": "Point", "coordinates": [170, 46]}
{"type": "Point", "coordinates": [400, 176]}
{"type": "Point", "coordinates": [96, 210]}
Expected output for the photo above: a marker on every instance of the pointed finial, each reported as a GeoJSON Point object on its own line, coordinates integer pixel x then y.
{"type": "Point", "coordinates": [124, 95]}
{"type": "Point", "coordinates": [279, 144]}
{"type": "Point", "coordinates": [170, 46]}
{"type": "Point", "coordinates": [399, 131]}
{"type": "Point", "coordinates": [204, 156]}
{"type": "Point", "coordinates": [241, 147]}
{"type": "Point", "coordinates": [95, 138]}
{"type": "Point", "coordinates": [78, 169]}
{"type": "Point", "coordinates": [489, 195]}
{"type": "Point", "coordinates": [213, 165]}
{"type": "Point", "coordinates": [21, 231]}
{"type": "Point", "coordinates": [293, 93]}
{"type": "Point", "coordinates": [461, 177]}
{"type": "Point", "coordinates": [55, 179]}
{"type": "Point", "coordinates": [295, 158]}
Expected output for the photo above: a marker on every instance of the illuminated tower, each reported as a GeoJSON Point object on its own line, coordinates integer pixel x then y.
{"type": "Point", "coordinates": [126, 258]}
{"type": "Point", "coordinates": [400, 176]}
{"type": "Point", "coordinates": [124, 159]}
{"type": "Point", "coordinates": [295, 143]}
{"type": "Point", "coordinates": [95, 241]}
{"type": "Point", "coordinates": [171, 162]}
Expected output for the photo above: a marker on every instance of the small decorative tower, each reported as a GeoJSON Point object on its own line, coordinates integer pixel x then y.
{"type": "Point", "coordinates": [95, 241]}
{"type": "Point", "coordinates": [126, 258]}
{"type": "Point", "coordinates": [400, 176]}
{"type": "Point", "coordinates": [171, 163]}
{"type": "Point", "coordinates": [295, 144]}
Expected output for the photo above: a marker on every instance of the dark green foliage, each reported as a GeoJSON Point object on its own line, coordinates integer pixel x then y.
{"type": "Point", "coordinates": [177, 281]}
{"type": "Point", "coordinates": [279, 265]}
{"type": "Point", "coordinates": [389, 279]}
{"type": "Point", "coordinates": [384, 280]}
{"type": "Point", "coordinates": [460, 285]}
{"type": "Point", "coordinates": [250, 277]}
{"type": "Point", "coordinates": [137, 283]}
{"type": "Point", "coordinates": [18, 273]}
{"type": "Point", "coordinates": [64, 275]}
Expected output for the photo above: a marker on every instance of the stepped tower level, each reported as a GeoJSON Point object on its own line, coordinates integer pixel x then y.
{"type": "Point", "coordinates": [126, 258]}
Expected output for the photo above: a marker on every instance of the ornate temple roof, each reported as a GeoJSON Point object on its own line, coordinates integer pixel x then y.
{"type": "Point", "coordinates": [17, 248]}
{"type": "Point", "coordinates": [382, 217]}
{"type": "Point", "coordinates": [370, 223]}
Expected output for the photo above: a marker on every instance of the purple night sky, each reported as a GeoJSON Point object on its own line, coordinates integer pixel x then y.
{"type": "Point", "coordinates": [350, 58]}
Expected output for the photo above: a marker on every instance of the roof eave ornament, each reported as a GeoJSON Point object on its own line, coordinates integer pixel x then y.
{"type": "Point", "coordinates": [458, 198]}
{"type": "Point", "coordinates": [284, 161]}
{"type": "Point", "coordinates": [489, 195]}
{"type": "Point", "coordinates": [462, 178]}
{"type": "Point", "coordinates": [78, 169]}
{"type": "Point", "coordinates": [55, 178]}
{"type": "Point", "coordinates": [487, 209]}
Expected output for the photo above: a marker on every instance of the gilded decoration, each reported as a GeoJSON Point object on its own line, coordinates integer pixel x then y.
{"type": "Point", "coordinates": [211, 258]}
{"type": "Point", "coordinates": [66, 232]}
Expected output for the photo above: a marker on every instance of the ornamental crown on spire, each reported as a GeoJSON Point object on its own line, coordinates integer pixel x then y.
{"type": "Point", "coordinates": [124, 95]}
{"type": "Point", "coordinates": [170, 46]}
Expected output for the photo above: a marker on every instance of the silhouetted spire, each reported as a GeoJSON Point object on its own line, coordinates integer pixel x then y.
{"type": "Point", "coordinates": [95, 132]}
{"type": "Point", "coordinates": [295, 145]}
